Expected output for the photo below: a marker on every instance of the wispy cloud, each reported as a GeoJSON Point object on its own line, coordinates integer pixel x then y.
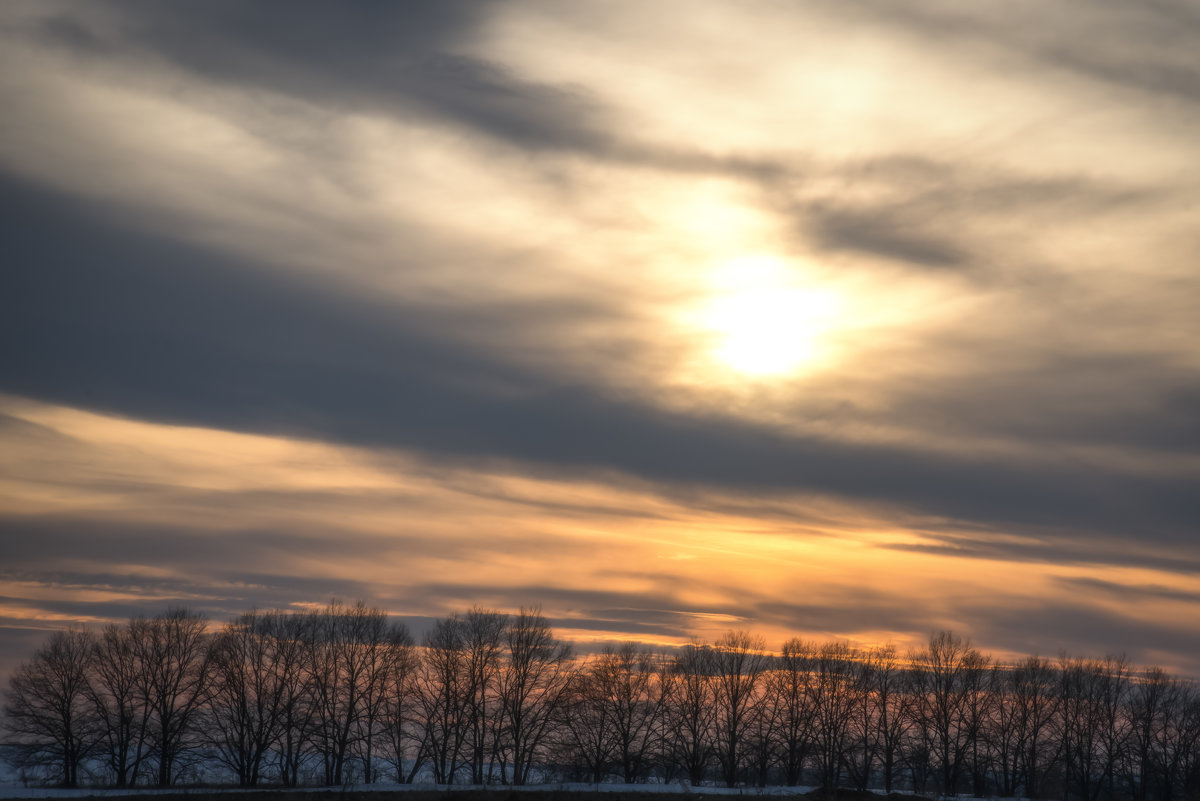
{"type": "Point", "coordinates": [417, 305]}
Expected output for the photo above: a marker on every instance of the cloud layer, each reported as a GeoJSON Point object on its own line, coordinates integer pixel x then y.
{"type": "Point", "coordinates": [417, 306]}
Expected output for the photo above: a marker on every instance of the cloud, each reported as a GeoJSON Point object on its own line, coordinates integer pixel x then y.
{"type": "Point", "coordinates": [886, 237]}
{"type": "Point", "coordinates": [210, 343]}
{"type": "Point", "coordinates": [1081, 629]}
{"type": "Point", "coordinates": [950, 214]}
{"type": "Point", "coordinates": [131, 517]}
{"type": "Point", "coordinates": [1061, 551]}
{"type": "Point", "coordinates": [1091, 584]}
{"type": "Point", "coordinates": [373, 58]}
{"type": "Point", "coordinates": [292, 292]}
{"type": "Point", "coordinates": [1142, 48]}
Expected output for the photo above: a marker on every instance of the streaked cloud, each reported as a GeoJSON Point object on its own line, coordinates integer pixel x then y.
{"type": "Point", "coordinates": [447, 305]}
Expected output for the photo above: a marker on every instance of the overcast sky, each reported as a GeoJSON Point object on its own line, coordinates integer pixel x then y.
{"type": "Point", "coordinates": [838, 320]}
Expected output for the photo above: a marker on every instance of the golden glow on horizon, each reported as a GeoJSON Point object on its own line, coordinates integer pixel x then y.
{"type": "Point", "coordinates": [624, 559]}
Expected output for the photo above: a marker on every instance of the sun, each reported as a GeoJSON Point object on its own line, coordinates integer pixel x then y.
{"type": "Point", "coordinates": [765, 320]}
{"type": "Point", "coordinates": [766, 331]}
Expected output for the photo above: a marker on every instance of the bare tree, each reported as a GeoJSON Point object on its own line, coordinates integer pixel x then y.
{"type": "Point", "coordinates": [889, 689]}
{"type": "Point", "coordinates": [866, 713]}
{"type": "Point", "coordinates": [533, 682]}
{"type": "Point", "coordinates": [762, 746]}
{"type": "Point", "coordinates": [46, 710]}
{"type": "Point", "coordinates": [837, 690]}
{"type": "Point", "coordinates": [691, 710]}
{"type": "Point", "coordinates": [978, 703]}
{"type": "Point", "coordinates": [585, 741]}
{"type": "Point", "coordinates": [1093, 725]}
{"type": "Point", "coordinates": [1004, 733]}
{"type": "Point", "coordinates": [1031, 706]}
{"type": "Point", "coordinates": [400, 708]}
{"type": "Point", "coordinates": [1189, 745]}
{"type": "Point", "coordinates": [739, 661]}
{"type": "Point", "coordinates": [942, 695]}
{"type": "Point", "coordinates": [333, 689]}
{"type": "Point", "coordinates": [349, 661]}
{"type": "Point", "coordinates": [790, 689]}
{"type": "Point", "coordinates": [252, 669]}
{"type": "Point", "coordinates": [626, 683]}
{"type": "Point", "coordinates": [1160, 725]}
{"type": "Point", "coordinates": [483, 632]}
{"type": "Point", "coordinates": [495, 698]}
{"type": "Point", "coordinates": [121, 714]}
{"type": "Point", "coordinates": [172, 680]}
{"type": "Point", "coordinates": [445, 696]}
{"type": "Point", "coordinates": [385, 651]}
{"type": "Point", "coordinates": [292, 637]}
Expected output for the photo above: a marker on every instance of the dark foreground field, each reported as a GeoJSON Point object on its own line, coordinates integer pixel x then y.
{"type": "Point", "coordinates": [494, 794]}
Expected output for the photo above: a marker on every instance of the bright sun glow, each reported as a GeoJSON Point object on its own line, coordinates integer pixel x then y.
{"type": "Point", "coordinates": [767, 322]}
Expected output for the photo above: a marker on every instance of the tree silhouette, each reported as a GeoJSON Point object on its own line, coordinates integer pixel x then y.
{"type": "Point", "coordinates": [47, 708]}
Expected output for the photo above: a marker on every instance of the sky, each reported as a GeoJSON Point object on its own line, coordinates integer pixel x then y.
{"type": "Point", "coordinates": [835, 320]}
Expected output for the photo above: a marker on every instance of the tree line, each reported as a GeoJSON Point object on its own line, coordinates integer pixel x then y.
{"type": "Point", "coordinates": [344, 695]}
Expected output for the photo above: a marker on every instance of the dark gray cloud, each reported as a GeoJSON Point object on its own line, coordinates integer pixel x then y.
{"type": "Point", "coordinates": [1092, 585]}
{"type": "Point", "coordinates": [216, 551]}
{"type": "Point", "coordinates": [100, 317]}
{"type": "Point", "coordinates": [410, 63]}
{"type": "Point", "coordinates": [597, 610]}
{"type": "Point", "coordinates": [1137, 401]}
{"type": "Point", "coordinates": [936, 214]}
{"type": "Point", "coordinates": [148, 588]}
{"type": "Point", "coordinates": [883, 235]}
{"type": "Point", "coordinates": [1146, 47]}
{"type": "Point", "coordinates": [405, 61]}
{"type": "Point", "coordinates": [660, 614]}
{"type": "Point", "coordinates": [1067, 548]}
{"type": "Point", "coordinates": [83, 610]}
{"type": "Point", "coordinates": [1078, 629]}
{"type": "Point", "coordinates": [42, 542]}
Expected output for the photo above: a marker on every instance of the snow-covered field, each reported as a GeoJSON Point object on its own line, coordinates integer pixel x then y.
{"type": "Point", "coordinates": [15, 790]}
{"type": "Point", "coordinates": [9, 790]}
